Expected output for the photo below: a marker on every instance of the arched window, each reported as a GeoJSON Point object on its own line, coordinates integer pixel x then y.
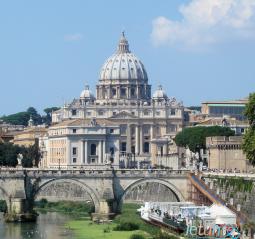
{"type": "Point", "coordinates": [123, 92]}
{"type": "Point", "coordinates": [93, 149]}
{"type": "Point", "coordinates": [132, 92]}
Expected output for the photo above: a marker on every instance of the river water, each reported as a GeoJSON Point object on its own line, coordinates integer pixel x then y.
{"type": "Point", "coordinates": [50, 225]}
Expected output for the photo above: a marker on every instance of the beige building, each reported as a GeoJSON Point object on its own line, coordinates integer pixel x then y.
{"type": "Point", "coordinates": [29, 136]}
{"type": "Point", "coordinates": [233, 108]}
{"type": "Point", "coordinates": [147, 122]}
{"type": "Point", "coordinates": [226, 153]}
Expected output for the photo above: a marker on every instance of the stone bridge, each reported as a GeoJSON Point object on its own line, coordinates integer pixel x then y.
{"type": "Point", "coordinates": [21, 187]}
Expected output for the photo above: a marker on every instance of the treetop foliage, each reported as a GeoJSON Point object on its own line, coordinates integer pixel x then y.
{"type": "Point", "coordinates": [248, 145]}
{"type": "Point", "coordinates": [249, 111]}
{"type": "Point", "coordinates": [195, 137]}
{"type": "Point", "coordinates": [22, 118]}
{"type": "Point", "coordinates": [9, 153]}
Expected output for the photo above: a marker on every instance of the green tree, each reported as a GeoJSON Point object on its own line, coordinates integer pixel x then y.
{"type": "Point", "coordinates": [195, 137]}
{"type": "Point", "coordinates": [37, 118]}
{"type": "Point", "coordinates": [20, 118]}
{"type": "Point", "coordinates": [47, 118]}
{"type": "Point", "coordinates": [31, 156]}
{"type": "Point", "coordinates": [249, 137]}
{"type": "Point", "coordinates": [9, 153]}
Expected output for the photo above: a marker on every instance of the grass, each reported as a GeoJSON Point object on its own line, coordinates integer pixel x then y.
{"type": "Point", "coordinates": [69, 207]}
{"type": "Point", "coordinates": [84, 228]}
{"type": "Point", "coordinates": [89, 230]}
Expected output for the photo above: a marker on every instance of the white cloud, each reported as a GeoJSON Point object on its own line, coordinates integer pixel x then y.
{"type": "Point", "coordinates": [206, 22]}
{"type": "Point", "coordinates": [73, 37]}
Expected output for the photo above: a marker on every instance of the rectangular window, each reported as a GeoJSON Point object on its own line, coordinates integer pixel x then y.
{"type": "Point", "coordinates": [171, 128]}
{"type": "Point", "coordinates": [111, 131]}
{"type": "Point", "coordinates": [146, 112]}
{"type": "Point", "coordinates": [101, 112]}
{"type": "Point", "coordinates": [113, 92]}
{"type": "Point", "coordinates": [74, 131]}
{"type": "Point", "coordinates": [146, 129]}
{"type": "Point", "coordinates": [74, 150]}
{"type": "Point", "coordinates": [172, 111]}
{"type": "Point", "coordinates": [74, 112]}
{"type": "Point", "coordinates": [123, 146]}
{"type": "Point", "coordinates": [74, 160]}
{"type": "Point", "coordinates": [123, 130]}
{"type": "Point", "coordinates": [123, 92]}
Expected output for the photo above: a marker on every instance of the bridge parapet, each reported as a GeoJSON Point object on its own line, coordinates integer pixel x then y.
{"type": "Point", "coordinates": [241, 175]}
{"type": "Point", "coordinates": [92, 173]}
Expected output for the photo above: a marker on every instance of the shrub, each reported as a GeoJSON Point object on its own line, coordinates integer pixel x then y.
{"type": "Point", "coordinates": [163, 235]}
{"type": "Point", "coordinates": [107, 230]}
{"type": "Point", "coordinates": [42, 203]}
{"type": "Point", "coordinates": [137, 236]}
{"type": "Point", "coordinates": [126, 226]}
{"type": "Point", "coordinates": [3, 206]}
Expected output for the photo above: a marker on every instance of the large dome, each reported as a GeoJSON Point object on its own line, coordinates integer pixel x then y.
{"type": "Point", "coordinates": [123, 65]}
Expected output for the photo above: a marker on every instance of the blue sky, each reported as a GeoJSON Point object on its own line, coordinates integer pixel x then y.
{"type": "Point", "coordinates": [197, 49]}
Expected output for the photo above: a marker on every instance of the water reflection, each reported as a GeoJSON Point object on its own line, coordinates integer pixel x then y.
{"type": "Point", "coordinates": [50, 225]}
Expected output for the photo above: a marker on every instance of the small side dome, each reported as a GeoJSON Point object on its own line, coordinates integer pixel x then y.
{"type": "Point", "coordinates": [159, 93]}
{"type": "Point", "coordinates": [86, 93]}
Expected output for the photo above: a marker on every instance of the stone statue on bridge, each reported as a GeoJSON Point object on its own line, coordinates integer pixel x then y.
{"type": "Point", "coordinates": [19, 159]}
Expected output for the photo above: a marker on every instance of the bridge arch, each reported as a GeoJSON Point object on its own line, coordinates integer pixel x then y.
{"type": "Point", "coordinates": [93, 195]}
{"type": "Point", "coordinates": [169, 185]}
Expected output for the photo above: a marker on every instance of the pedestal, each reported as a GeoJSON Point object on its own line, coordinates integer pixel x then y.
{"type": "Point", "coordinates": [104, 213]}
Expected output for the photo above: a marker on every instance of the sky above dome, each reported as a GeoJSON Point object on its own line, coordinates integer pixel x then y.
{"type": "Point", "coordinates": [198, 50]}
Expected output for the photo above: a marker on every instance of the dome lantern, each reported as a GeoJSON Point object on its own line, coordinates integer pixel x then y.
{"type": "Point", "coordinates": [123, 46]}
{"type": "Point", "coordinates": [86, 94]}
{"type": "Point", "coordinates": [159, 93]}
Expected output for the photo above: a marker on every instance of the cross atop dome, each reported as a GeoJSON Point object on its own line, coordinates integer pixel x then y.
{"type": "Point", "coordinates": [123, 46]}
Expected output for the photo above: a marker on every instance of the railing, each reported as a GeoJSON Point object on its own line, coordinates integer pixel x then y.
{"type": "Point", "coordinates": [109, 172]}
{"type": "Point", "coordinates": [203, 188]}
{"type": "Point", "coordinates": [243, 175]}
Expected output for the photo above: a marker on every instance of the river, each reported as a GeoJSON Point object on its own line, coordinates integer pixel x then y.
{"type": "Point", "coordinates": [50, 225]}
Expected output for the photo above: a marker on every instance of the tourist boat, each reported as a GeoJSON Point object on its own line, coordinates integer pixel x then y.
{"type": "Point", "coordinates": [179, 216]}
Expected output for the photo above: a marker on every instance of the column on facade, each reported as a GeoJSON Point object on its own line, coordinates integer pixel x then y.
{"type": "Point", "coordinates": [82, 152]}
{"type": "Point", "coordinates": [128, 92]}
{"type": "Point", "coordinates": [118, 92]}
{"type": "Point", "coordinates": [97, 92]}
{"type": "Point", "coordinates": [151, 137]}
{"type": "Point", "coordinates": [86, 152]}
{"type": "Point", "coordinates": [137, 92]}
{"type": "Point", "coordinates": [141, 139]}
{"type": "Point", "coordinates": [165, 149]}
{"type": "Point", "coordinates": [103, 158]}
{"type": "Point", "coordinates": [68, 153]}
{"type": "Point", "coordinates": [99, 151]}
{"type": "Point", "coordinates": [109, 93]}
{"type": "Point", "coordinates": [128, 138]}
{"type": "Point", "coordinates": [137, 139]}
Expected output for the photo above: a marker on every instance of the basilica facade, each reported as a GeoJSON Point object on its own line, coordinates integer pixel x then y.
{"type": "Point", "coordinates": [123, 124]}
